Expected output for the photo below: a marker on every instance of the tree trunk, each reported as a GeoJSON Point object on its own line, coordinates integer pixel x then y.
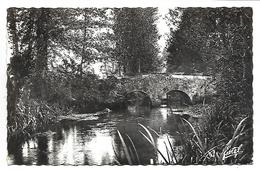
{"type": "Point", "coordinates": [13, 30]}
{"type": "Point", "coordinates": [42, 52]}
{"type": "Point", "coordinates": [12, 77]}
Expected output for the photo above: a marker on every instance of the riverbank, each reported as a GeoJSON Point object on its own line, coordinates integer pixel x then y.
{"type": "Point", "coordinates": [84, 117]}
{"type": "Point", "coordinates": [35, 116]}
{"type": "Point", "coordinates": [32, 117]}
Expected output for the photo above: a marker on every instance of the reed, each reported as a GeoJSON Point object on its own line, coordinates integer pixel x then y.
{"type": "Point", "coordinates": [32, 116]}
{"type": "Point", "coordinates": [130, 154]}
{"type": "Point", "coordinates": [207, 154]}
{"type": "Point", "coordinates": [196, 151]}
{"type": "Point", "coordinates": [150, 139]}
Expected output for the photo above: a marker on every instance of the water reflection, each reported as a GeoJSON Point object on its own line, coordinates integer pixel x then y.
{"type": "Point", "coordinates": [138, 110]}
{"type": "Point", "coordinates": [164, 112]}
{"type": "Point", "coordinates": [99, 149]}
{"type": "Point", "coordinates": [163, 145]}
{"type": "Point", "coordinates": [83, 144]}
{"type": "Point", "coordinates": [42, 154]}
{"type": "Point", "coordinates": [69, 149]}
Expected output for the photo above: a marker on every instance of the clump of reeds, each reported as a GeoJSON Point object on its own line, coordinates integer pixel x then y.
{"type": "Point", "coordinates": [170, 158]}
{"type": "Point", "coordinates": [31, 116]}
{"type": "Point", "coordinates": [196, 149]}
{"type": "Point", "coordinates": [206, 152]}
{"type": "Point", "coordinates": [130, 155]}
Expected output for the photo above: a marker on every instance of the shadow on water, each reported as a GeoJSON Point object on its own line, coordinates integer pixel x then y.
{"type": "Point", "coordinates": [138, 103]}
{"type": "Point", "coordinates": [42, 155]}
{"type": "Point", "coordinates": [178, 99]}
{"type": "Point", "coordinates": [82, 143]}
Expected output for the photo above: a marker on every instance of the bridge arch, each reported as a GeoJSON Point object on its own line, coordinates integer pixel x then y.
{"type": "Point", "coordinates": [137, 91]}
{"type": "Point", "coordinates": [178, 98]}
{"type": "Point", "coordinates": [138, 97]}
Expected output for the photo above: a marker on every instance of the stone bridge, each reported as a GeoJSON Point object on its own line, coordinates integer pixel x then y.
{"type": "Point", "coordinates": [156, 86]}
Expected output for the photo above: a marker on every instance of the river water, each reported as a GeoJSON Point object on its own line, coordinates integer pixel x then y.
{"type": "Point", "coordinates": [98, 143]}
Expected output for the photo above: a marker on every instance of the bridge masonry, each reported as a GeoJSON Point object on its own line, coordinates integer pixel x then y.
{"type": "Point", "coordinates": [158, 85]}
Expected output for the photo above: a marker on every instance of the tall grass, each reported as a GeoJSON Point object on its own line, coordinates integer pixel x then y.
{"type": "Point", "coordinates": [206, 154]}
{"type": "Point", "coordinates": [170, 158]}
{"type": "Point", "coordinates": [196, 150]}
{"type": "Point", "coordinates": [32, 116]}
{"type": "Point", "coordinates": [130, 155]}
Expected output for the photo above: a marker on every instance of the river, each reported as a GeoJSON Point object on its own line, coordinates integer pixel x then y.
{"type": "Point", "coordinates": [98, 143]}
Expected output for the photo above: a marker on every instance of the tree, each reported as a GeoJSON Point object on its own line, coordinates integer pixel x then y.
{"type": "Point", "coordinates": [136, 40]}
{"type": "Point", "coordinates": [86, 38]}
{"type": "Point", "coordinates": [11, 76]}
{"type": "Point", "coordinates": [207, 36]}
{"type": "Point", "coordinates": [222, 38]}
{"type": "Point", "coordinates": [186, 42]}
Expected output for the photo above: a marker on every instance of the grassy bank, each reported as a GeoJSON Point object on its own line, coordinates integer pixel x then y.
{"type": "Point", "coordinates": [31, 116]}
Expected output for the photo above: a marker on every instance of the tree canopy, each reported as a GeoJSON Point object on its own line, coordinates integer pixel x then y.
{"type": "Point", "coordinates": [136, 40]}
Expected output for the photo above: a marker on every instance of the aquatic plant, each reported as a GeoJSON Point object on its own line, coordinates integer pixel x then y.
{"type": "Point", "coordinates": [130, 155]}
{"type": "Point", "coordinates": [170, 158]}
{"type": "Point", "coordinates": [32, 116]}
{"type": "Point", "coordinates": [204, 153]}
{"type": "Point", "coordinates": [195, 149]}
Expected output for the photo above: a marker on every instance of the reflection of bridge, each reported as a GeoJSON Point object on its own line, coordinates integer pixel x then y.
{"type": "Point", "coordinates": [157, 86]}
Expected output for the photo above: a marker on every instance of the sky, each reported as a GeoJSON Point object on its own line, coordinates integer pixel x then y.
{"type": "Point", "coordinates": [162, 27]}
{"type": "Point", "coordinates": [164, 31]}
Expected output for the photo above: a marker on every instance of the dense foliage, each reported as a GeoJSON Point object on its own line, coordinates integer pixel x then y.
{"type": "Point", "coordinates": [218, 42]}
{"type": "Point", "coordinates": [136, 40]}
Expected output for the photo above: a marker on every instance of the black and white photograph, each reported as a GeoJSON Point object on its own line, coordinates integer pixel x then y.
{"type": "Point", "coordinates": [129, 85]}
